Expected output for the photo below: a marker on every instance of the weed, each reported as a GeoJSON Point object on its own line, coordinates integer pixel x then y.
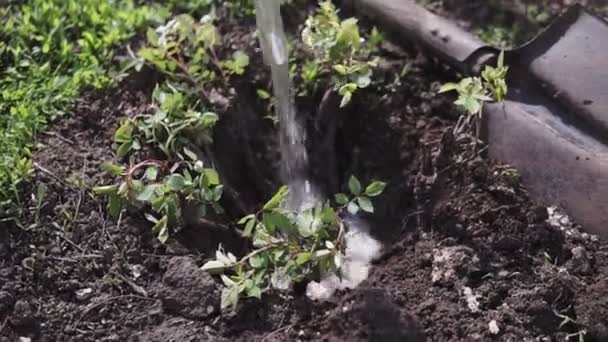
{"type": "Point", "coordinates": [338, 50]}
{"type": "Point", "coordinates": [290, 245]}
{"type": "Point", "coordinates": [49, 51]}
{"type": "Point", "coordinates": [179, 132]}
{"type": "Point", "coordinates": [474, 91]}
{"type": "Point", "coordinates": [180, 127]}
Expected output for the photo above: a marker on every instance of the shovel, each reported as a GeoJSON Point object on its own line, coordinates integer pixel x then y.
{"type": "Point", "coordinates": [553, 125]}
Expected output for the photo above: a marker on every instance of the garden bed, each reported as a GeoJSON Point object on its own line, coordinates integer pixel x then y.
{"type": "Point", "coordinates": [467, 254]}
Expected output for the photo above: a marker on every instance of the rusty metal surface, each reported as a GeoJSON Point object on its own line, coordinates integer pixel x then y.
{"type": "Point", "coordinates": [411, 22]}
{"type": "Point", "coordinates": [570, 60]}
{"type": "Point", "coordinates": [560, 164]}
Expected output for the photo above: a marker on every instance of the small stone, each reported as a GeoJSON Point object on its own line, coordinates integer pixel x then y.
{"type": "Point", "coordinates": [493, 326]}
{"type": "Point", "coordinates": [84, 294]}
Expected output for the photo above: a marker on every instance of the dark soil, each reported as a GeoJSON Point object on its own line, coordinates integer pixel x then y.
{"type": "Point", "coordinates": [468, 255]}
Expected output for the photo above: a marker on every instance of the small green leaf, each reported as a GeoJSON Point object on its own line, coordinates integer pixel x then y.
{"type": "Point", "coordinates": [303, 258]}
{"type": "Point", "coordinates": [176, 182]}
{"type": "Point", "coordinates": [213, 178]}
{"type": "Point", "coordinates": [113, 169]}
{"type": "Point", "coordinates": [148, 193]}
{"type": "Point", "coordinates": [449, 87]}
{"type": "Point", "coordinates": [263, 94]}
{"type": "Point", "coordinates": [229, 297]}
{"type": "Point", "coordinates": [106, 189]}
{"type": "Point", "coordinates": [115, 205]}
{"type": "Point", "coordinates": [161, 229]}
{"type": "Point", "coordinates": [276, 200]}
{"type": "Point", "coordinates": [209, 119]}
{"type": "Point", "coordinates": [123, 149]}
{"type": "Point", "coordinates": [349, 34]}
{"type": "Point", "coordinates": [352, 208]}
{"type": "Point", "coordinates": [246, 218]}
{"type": "Point", "coordinates": [346, 97]}
{"type": "Point", "coordinates": [258, 261]}
{"type": "Point", "coordinates": [190, 154]}
{"type": "Point", "coordinates": [124, 133]}
{"type": "Point", "coordinates": [375, 189]}
{"type": "Point", "coordinates": [322, 254]}
{"type": "Point", "coordinates": [151, 173]}
{"type": "Point", "coordinates": [255, 292]}
{"type": "Point", "coordinates": [341, 199]}
{"type": "Point", "coordinates": [248, 231]}
{"type": "Point", "coordinates": [340, 69]}
{"type": "Point", "coordinates": [214, 267]}
{"type": "Point", "coordinates": [354, 186]}
{"type": "Point", "coordinates": [365, 204]}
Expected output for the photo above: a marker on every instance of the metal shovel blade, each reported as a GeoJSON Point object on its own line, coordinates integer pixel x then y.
{"type": "Point", "coordinates": [553, 126]}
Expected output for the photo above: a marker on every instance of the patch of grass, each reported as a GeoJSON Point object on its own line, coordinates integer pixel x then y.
{"type": "Point", "coordinates": [49, 51]}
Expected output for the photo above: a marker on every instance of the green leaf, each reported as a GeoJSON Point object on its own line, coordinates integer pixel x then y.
{"type": "Point", "coordinates": [322, 254]}
{"type": "Point", "coordinates": [113, 169]}
{"type": "Point", "coordinates": [349, 34]}
{"type": "Point", "coordinates": [217, 193]}
{"type": "Point", "coordinates": [258, 261]}
{"type": "Point", "coordinates": [248, 231]}
{"type": "Point", "coordinates": [214, 267]}
{"type": "Point", "coordinates": [352, 208]}
{"type": "Point", "coordinates": [105, 190]}
{"type": "Point", "coordinates": [340, 69]}
{"type": "Point", "coordinates": [209, 119]}
{"type": "Point", "coordinates": [375, 189]}
{"type": "Point", "coordinates": [246, 218]}
{"type": "Point", "coordinates": [230, 297]}
{"type": "Point", "coordinates": [255, 292]}
{"type": "Point", "coordinates": [123, 149]}
{"type": "Point", "coordinates": [240, 58]}
{"type": "Point", "coordinates": [212, 177]}
{"type": "Point", "coordinates": [151, 173]}
{"type": "Point", "coordinates": [263, 94]}
{"type": "Point", "coordinates": [363, 81]}
{"type": "Point", "coordinates": [354, 186]}
{"type": "Point", "coordinates": [176, 182]}
{"type": "Point", "coordinates": [161, 229]}
{"type": "Point", "coordinates": [114, 205]}
{"type": "Point", "coordinates": [124, 133]}
{"type": "Point", "coordinates": [303, 258]}
{"type": "Point", "coordinates": [276, 200]}
{"type": "Point", "coordinates": [148, 193]}
{"type": "Point", "coordinates": [365, 204]}
{"type": "Point", "coordinates": [276, 221]}
{"type": "Point", "coordinates": [190, 154]}
{"type": "Point", "coordinates": [346, 98]}
{"type": "Point", "coordinates": [341, 199]}
{"type": "Point", "coordinates": [449, 87]}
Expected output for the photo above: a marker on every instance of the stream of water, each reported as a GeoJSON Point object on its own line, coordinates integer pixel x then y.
{"type": "Point", "coordinates": [361, 248]}
{"type": "Point", "coordinates": [292, 140]}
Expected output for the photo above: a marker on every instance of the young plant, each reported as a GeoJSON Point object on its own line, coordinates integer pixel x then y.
{"type": "Point", "coordinates": [290, 246]}
{"type": "Point", "coordinates": [338, 50]}
{"type": "Point", "coordinates": [179, 131]}
{"type": "Point", "coordinates": [474, 91]}
{"type": "Point", "coordinates": [184, 49]}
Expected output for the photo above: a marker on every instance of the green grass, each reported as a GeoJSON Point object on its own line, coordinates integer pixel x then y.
{"type": "Point", "coordinates": [49, 51]}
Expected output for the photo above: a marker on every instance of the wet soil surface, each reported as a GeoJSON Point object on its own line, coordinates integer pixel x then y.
{"type": "Point", "coordinates": [468, 256]}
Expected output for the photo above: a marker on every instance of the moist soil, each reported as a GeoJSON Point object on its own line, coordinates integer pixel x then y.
{"type": "Point", "coordinates": [468, 255]}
